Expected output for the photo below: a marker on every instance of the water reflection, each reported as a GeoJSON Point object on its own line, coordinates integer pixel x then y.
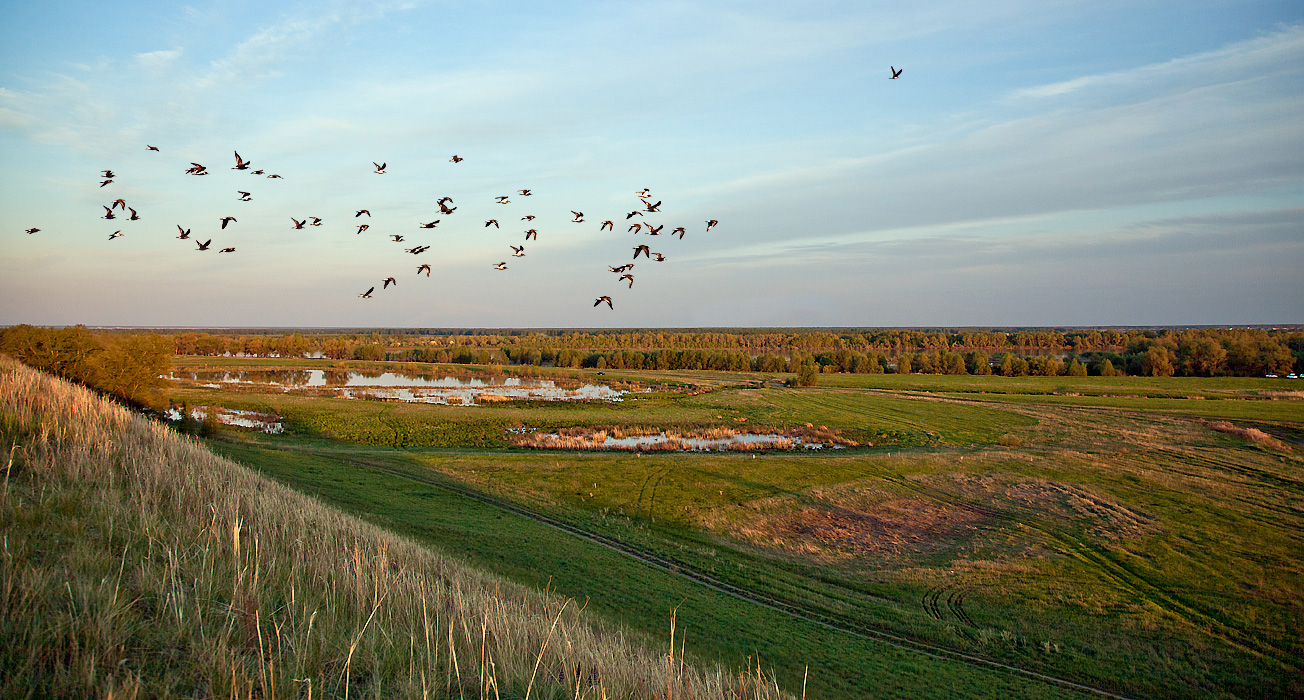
{"type": "Point", "coordinates": [466, 391]}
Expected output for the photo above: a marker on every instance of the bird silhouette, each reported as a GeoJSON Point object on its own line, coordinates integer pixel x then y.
{"type": "Point", "coordinates": [361, 212]}
{"type": "Point", "coordinates": [118, 203]}
{"type": "Point", "coordinates": [227, 250]}
{"type": "Point", "coordinates": [389, 281]}
{"type": "Point", "coordinates": [445, 209]}
{"type": "Point", "coordinates": [655, 231]}
{"type": "Point", "coordinates": [204, 245]}
{"type": "Point", "coordinates": [652, 207]}
{"type": "Point", "coordinates": [524, 193]}
{"type": "Point", "coordinates": [645, 192]}
{"type": "Point", "coordinates": [115, 234]}
{"type": "Point", "coordinates": [152, 148]}
{"type": "Point", "coordinates": [380, 167]}
{"type": "Point", "coordinates": [226, 220]}
{"type": "Point", "coordinates": [710, 224]}
{"type": "Point", "coordinates": [30, 231]}
{"type": "Point", "coordinates": [107, 173]}
{"type": "Point", "coordinates": [607, 225]}
{"type": "Point", "coordinates": [633, 214]}
{"type": "Point", "coordinates": [601, 299]}
{"type": "Point", "coordinates": [622, 268]}
{"type": "Point", "coordinates": [134, 216]}
{"type": "Point", "coordinates": [258, 172]}
{"type": "Point", "coordinates": [528, 217]}
{"type": "Point", "coordinates": [298, 224]}
{"type": "Point", "coordinates": [106, 182]}
{"type": "Point", "coordinates": [397, 238]}
{"type": "Point", "coordinates": [185, 232]}
{"type": "Point", "coordinates": [431, 224]}
{"type": "Point", "coordinates": [532, 234]}
{"type": "Point", "coordinates": [579, 216]}
{"type": "Point", "coordinates": [494, 222]}
{"type": "Point", "coordinates": [629, 277]}
{"type": "Point", "coordinates": [641, 249]}
{"type": "Point", "coordinates": [367, 294]}
{"type": "Point", "coordinates": [635, 227]}
{"type": "Point", "coordinates": [444, 200]}
{"type": "Point", "coordinates": [316, 221]}
{"type": "Point", "coordinates": [658, 257]}
{"type": "Point", "coordinates": [425, 268]}
{"type": "Point", "coordinates": [244, 196]}
{"type": "Point", "coordinates": [363, 227]}
{"type": "Point", "coordinates": [108, 214]}
{"type": "Point", "coordinates": [500, 266]}
{"type": "Point", "coordinates": [456, 159]}
{"type": "Point", "coordinates": [240, 163]}
{"type": "Point", "coordinates": [517, 251]}
{"type": "Point", "coordinates": [895, 73]}
{"type": "Point", "coordinates": [273, 176]}
{"type": "Point", "coordinates": [679, 231]}
{"type": "Point", "coordinates": [417, 250]}
{"type": "Point", "coordinates": [503, 199]}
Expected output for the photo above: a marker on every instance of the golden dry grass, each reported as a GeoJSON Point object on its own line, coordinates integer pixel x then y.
{"type": "Point", "coordinates": [138, 563]}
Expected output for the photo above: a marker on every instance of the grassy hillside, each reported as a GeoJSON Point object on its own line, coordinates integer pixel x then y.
{"type": "Point", "coordinates": [137, 563]}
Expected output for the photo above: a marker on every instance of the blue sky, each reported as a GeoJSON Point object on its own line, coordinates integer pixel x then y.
{"type": "Point", "coordinates": [1038, 163]}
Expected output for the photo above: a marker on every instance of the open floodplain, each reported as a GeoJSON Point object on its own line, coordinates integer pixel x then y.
{"type": "Point", "coordinates": [950, 536]}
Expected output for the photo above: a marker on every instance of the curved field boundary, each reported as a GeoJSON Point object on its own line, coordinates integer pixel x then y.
{"type": "Point", "coordinates": [688, 572]}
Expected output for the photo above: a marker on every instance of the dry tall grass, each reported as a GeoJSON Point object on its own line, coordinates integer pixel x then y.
{"type": "Point", "coordinates": [136, 563]}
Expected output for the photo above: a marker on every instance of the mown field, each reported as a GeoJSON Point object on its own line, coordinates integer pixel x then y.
{"type": "Point", "coordinates": [1138, 536]}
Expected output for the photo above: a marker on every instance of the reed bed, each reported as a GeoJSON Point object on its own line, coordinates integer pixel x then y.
{"type": "Point", "coordinates": [136, 563]}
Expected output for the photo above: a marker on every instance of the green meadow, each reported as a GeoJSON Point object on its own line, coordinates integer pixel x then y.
{"type": "Point", "coordinates": [1135, 536]}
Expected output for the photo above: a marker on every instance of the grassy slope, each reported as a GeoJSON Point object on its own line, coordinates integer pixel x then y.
{"type": "Point", "coordinates": [137, 563]}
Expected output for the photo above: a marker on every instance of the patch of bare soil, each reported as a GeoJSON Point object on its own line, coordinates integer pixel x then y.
{"type": "Point", "coordinates": [1254, 435]}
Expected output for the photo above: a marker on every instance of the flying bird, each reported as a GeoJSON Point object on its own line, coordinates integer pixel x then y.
{"type": "Point", "coordinates": [710, 224]}
{"type": "Point", "coordinates": [30, 231]}
{"type": "Point", "coordinates": [107, 173]}
{"type": "Point", "coordinates": [118, 203]}
{"type": "Point", "coordinates": [622, 268]}
{"type": "Point", "coordinates": [196, 169]}
{"type": "Point", "coordinates": [227, 219]}
{"type": "Point", "coordinates": [679, 231]}
{"type": "Point", "coordinates": [430, 225]}
{"type": "Point", "coordinates": [629, 277]}
{"type": "Point", "coordinates": [227, 250]}
{"type": "Point", "coordinates": [134, 216]}
{"type": "Point", "coordinates": [108, 213]}
{"type": "Point", "coordinates": [106, 182]}
{"type": "Point", "coordinates": [528, 217]}
{"type": "Point", "coordinates": [456, 159]}
{"type": "Point", "coordinates": [445, 209]}
{"type": "Point", "coordinates": [601, 299]}
{"type": "Point", "coordinates": [655, 231]}
{"type": "Point", "coordinates": [361, 212]}
{"type": "Point", "coordinates": [258, 172]}
{"type": "Point", "coordinates": [635, 228]}
{"type": "Point", "coordinates": [363, 227]}
{"type": "Point", "coordinates": [503, 199]}
{"type": "Point", "coordinates": [444, 199]}
{"type": "Point", "coordinates": [524, 193]}
{"type": "Point", "coordinates": [633, 214]}
{"type": "Point", "coordinates": [425, 268]}
{"type": "Point", "coordinates": [659, 257]}
{"type": "Point", "coordinates": [606, 225]}
{"type": "Point", "coordinates": [389, 281]}
{"type": "Point", "coordinates": [532, 234]}
{"type": "Point", "coordinates": [316, 221]}
{"type": "Point", "coordinates": [152, 148]}
{"type": "Point", "coordinates": [579, 216]}
{"type": "Point", "coordinates": [367, 294]}
{"type": "Point", "coordinates": [185, 232]}
{"type": "Point", "coordinates": [895, 73]}
{"type": "Point", "coordinates": [297, 224]}
{"type": "Point", "coordinates": [652, 207]}
{"type": "Point", "coordinates": [380, 167]}
{"type": "Point", "coordinates": [273, 176]}
{"type": "Point", "coordinates": [244, 196]}
{"type": "Point", "coordinates": [115, 234]}
{"type": "Point", "coordinates": [500, 266]}
{"type": "Point", "coordinates": [517, 251]}
{"type": "Point", "coordinates": [397, 238]}
{"type": "Point", "coordinates": [491, 221]}
{"type": "Point", "coordinates": [417, 250]}
{"type": "Point", "coordinates": [645, 192]}
{"type": "Point", "coordinates": [204, 245]}
{"type": "Point", "coordinates": [641, 249]}
{"type": "Point", "coordinates": [240, 163]}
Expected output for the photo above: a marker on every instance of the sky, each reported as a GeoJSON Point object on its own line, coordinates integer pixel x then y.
{"type": "Point", "coordinates": [1045, 163]}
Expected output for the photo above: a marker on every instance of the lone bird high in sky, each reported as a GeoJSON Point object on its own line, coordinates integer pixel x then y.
{"type": "Point", "coordinates": [1070, 168]}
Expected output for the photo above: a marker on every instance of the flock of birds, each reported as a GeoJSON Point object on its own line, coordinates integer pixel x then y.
{"type": "Point", "coordinates": [646, 206]}
{"type": "Point", "coordinates": [643, 210]}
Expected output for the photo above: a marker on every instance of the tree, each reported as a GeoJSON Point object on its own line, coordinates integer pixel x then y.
{"type": "Point", "coordinates": [131, 367]}
{"type": "Point", "coordinates": [210, 425]}
{"type": "Point", "coordinates": [955, 363]}
{"type": "Point", "coordinates": [1077, 369]}
{"type": "Point", "coordinates": [904, 363]}
{"type": "Point", "coordinates": [1157, 362]}
{"type": "Point", "coordinates": [808, 372]}
{"type": "Point", "coordinates": [1106, 368]}
{"type": "Point", "coordinates": [1201, 357]}
{"type": "Point", "coordinates": [977, 364]}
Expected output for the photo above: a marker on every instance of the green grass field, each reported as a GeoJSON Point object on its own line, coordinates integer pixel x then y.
{"type": "Point", "coordinates": [1110, 538]}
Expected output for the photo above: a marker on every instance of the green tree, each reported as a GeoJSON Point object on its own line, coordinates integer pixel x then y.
{"type": "Point", "coordinates": [905, 363]}
{"type": "Point", "coordinates": [1106, 368]}
{"type": "Point", "coordinates": [1077, 369]}
{"type": "Point", "coordinates": [1157, 362]}
{"type": "Point", "coordinates": [131, 367]}
{"type": "Point", "coordinates": [808, 372]}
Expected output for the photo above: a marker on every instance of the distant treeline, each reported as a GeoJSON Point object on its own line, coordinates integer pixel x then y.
{"type": "Point", "coordinates": [1192, 352]}
{"type": "Point", "coordinates": [127, 366]}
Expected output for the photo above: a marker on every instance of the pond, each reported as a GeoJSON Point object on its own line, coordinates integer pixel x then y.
{"type": "Point", "coordinates": [416, 388]}
{"type": "Point", "coordinates": [265, 422]}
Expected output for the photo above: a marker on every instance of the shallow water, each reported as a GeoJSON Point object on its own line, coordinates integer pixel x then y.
{"type": "Point", "coordinates": [703, 444]}
{"type": "Point", "coordinates": [466, 391]}
{"type": "Point", "coordinates": [265, 422]}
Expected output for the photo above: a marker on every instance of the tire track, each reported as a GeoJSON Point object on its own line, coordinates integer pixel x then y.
{"type": "Point", "coordinates": [687, 571]}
